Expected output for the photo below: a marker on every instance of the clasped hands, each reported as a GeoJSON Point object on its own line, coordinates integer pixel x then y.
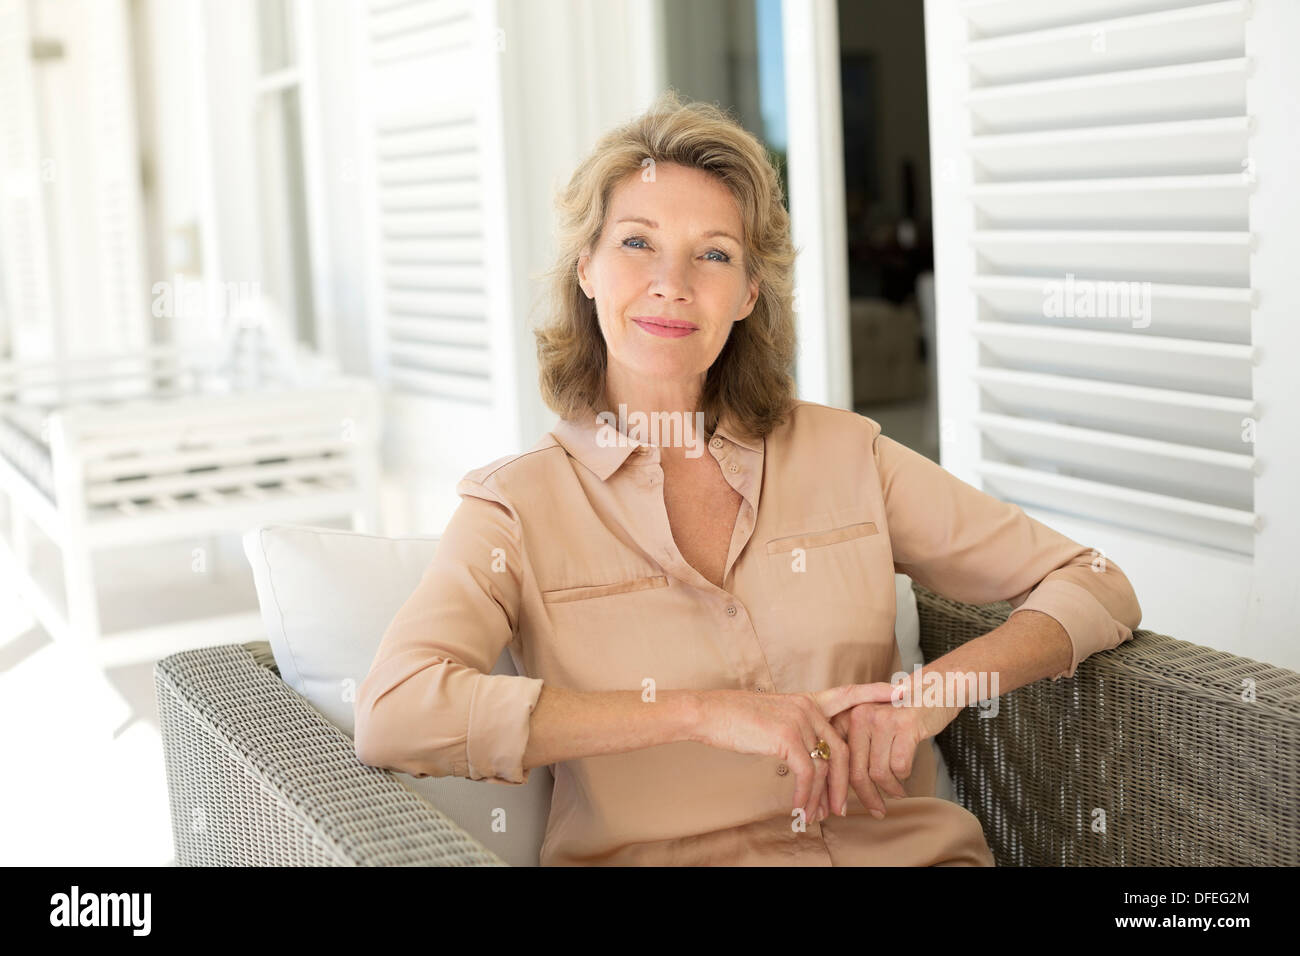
{"type": "Point", "coordinates": [872, 731]}
{"type": "Point", "coordinates": [880, 736]}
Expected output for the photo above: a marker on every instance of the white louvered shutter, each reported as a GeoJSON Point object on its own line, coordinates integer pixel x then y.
{"type": "Point", "coordinates": [440, 272]}
{"type": "Point", "coordinates": [1108, 143]}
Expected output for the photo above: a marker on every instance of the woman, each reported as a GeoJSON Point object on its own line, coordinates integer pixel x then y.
{"type": "Point", "coordinates": [709, 639]}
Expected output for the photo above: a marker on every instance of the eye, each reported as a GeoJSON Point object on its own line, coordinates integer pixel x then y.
{"type": "Point", "coordinates": [725, 258]}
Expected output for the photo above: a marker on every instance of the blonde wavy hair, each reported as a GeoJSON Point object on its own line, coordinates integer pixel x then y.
{"type": "Point", "coordinates": [750, 383]}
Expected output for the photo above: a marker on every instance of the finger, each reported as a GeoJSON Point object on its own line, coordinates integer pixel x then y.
{"type": "Point", "coordinates": [842, 727]}
{"type": "Point", "coordinates": [906, 739]}
{"type": "Point", "coordinates": [817, 801]}
{"type": "Point", "coordinates": [837, 785]}
{"type": "Point", "coordinates": [812, 799]}
{"type": "Point", "coordinates": [806, 770]}
{"type": "Point", "coordinates": [881, 772]}
{"type": "Point", "coordinates": [860, 762]}
{"type": "Point", "coordinates": [901, 756]}
{"type": "Point", "coordinates": [822, 803]}
{"type": "Point", "coordinates": [833, 700]}
{"type": "Point", "coordinates": [805, 774]}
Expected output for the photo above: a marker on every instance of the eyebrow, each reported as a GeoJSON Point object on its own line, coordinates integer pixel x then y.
{"type": "Point", "coordinates": [654, 225]}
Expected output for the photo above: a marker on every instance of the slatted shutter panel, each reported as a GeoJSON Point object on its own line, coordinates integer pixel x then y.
{"type": "Point", "coordinates": [1108, 150]}
{"type": "Point", "coordinates": [431, 282]}
{"type": "Point", "coordinates": [439, 296]}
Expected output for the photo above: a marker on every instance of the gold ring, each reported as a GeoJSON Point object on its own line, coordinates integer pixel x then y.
{"type": "Point", "coordinates": [822, 751]}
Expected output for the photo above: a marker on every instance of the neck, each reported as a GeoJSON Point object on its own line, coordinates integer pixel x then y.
{"type": "Point", "coordinates": [663, 412]}
{"type": "Point", "coordinates": [652, 394]}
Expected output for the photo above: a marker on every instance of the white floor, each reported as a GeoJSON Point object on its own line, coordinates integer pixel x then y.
{"type": "Point", "coordinates": [84, 780]}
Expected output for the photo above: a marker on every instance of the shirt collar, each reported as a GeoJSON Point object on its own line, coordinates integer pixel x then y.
{"type": "Point", "coordinates": [603, 449]}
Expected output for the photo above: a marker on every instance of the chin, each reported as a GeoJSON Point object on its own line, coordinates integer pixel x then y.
{"type": "Point", "coordinates": [660, 366]}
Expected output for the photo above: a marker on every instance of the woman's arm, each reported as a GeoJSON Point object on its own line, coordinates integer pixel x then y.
{"type": "Point", "coordinates": [1024, 648]}
{"type": "Point", "coordinates": [430, 704]}
{"type": "Point", "coordinates": [970, 546]}
{"type": "Point", "coordinates": [1068, 602]}
{"type": "Point", "coordinates": [567, 724]}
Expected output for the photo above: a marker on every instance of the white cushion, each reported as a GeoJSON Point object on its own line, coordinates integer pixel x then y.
{"type": "Point", "coordinates": [327, 596]}
{"type": "Point", "coordinates": [907, 631]}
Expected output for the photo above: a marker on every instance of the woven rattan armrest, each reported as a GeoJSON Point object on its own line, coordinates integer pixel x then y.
{"type": "Point", "coordinates": [258, 777]}
{"type": "Point", "coordinates": [1155, 753]}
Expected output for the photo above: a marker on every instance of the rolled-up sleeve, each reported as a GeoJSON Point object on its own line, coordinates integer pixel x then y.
{"type": "Point", "coordinates": [966, 544]}
{"type": "Point", "coordinates": [429, 705]}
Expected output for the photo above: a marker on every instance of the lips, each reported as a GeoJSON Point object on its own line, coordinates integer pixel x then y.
{"type": "Point", "coordinates": [668, 323]}
{"type": "Point", "coordinates": [665, 328]}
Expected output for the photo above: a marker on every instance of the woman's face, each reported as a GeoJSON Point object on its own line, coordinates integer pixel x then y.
{"type": "Point", "coordinates": [668, 274]}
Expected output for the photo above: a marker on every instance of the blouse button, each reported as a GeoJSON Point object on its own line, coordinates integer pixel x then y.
{"type": "Point", "coordinates": [733, 467]}
{"type": "Point", "coordinates": [731, 610]}
{"type": "Point", "coordinates": [716, 443]}
{"type": "Point", "coordinates": [782, 769]}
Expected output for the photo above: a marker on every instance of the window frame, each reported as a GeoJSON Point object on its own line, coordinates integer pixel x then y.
{"type": "Point", "coordinates": [298, 75]}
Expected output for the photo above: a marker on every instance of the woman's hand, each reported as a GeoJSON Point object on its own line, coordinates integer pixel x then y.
{"type": "Point", "coordinates": [882, 740]}
{"type": "Point", "coordinates": [788, 726]}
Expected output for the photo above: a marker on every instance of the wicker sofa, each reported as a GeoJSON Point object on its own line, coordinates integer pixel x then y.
{"type": "Point", "coordinates": [1151, 755]}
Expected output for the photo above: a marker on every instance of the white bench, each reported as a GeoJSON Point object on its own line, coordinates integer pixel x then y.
{"type": "Point", "coordinates": [116, 452]}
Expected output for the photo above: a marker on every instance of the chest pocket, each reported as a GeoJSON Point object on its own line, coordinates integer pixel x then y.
{"type": "Point", "coordinates": [564, 595]}
{"type": "Point", "coordinates": [831, 595]}
{"type": "Point", "coordinates": [819, 539]}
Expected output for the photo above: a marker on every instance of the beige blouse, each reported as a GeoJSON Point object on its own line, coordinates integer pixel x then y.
{"type": "Point", "coordinates": [564, 554]}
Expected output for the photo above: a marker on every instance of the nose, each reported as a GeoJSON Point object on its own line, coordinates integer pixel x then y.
{"type": "Point", "coordinates": [671, 279]}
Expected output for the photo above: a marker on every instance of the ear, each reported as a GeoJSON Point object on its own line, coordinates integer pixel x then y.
{"type": "Point", "coordinates": [583, 281]}
{"type": "Point", "coordinates": [752, 300]}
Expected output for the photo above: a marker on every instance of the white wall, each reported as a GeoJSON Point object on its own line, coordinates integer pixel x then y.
{"type": "Point", "coordinates": [1271, 623]}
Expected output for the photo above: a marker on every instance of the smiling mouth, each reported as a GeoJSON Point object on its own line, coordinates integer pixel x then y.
{"type": "Point", "coordinates": [665, 328]}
